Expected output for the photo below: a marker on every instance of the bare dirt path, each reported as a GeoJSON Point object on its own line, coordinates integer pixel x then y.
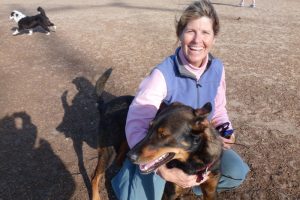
{"type": "Point", "coordinates": [48, 118]}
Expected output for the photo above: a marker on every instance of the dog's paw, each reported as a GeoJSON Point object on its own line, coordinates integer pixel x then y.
{"type": "Point", "coordinates": [48, 33]}
{"type": "Point", "coordinates": [16, 32]}
{"type": "Point", "coordinates": [30, 32]}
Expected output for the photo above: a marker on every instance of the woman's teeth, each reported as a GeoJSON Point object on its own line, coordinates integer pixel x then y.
{"type": "Point", "coordinates": [196, 48]}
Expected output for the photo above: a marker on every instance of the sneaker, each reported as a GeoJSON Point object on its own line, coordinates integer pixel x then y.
{"type": "Point", "coordinates": [241, 4]}
{"type": "Point", "coordinates": [252, 6]}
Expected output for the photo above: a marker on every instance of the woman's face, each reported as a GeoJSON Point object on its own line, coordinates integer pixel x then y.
{"type": "Point", "coordinates": [197, 40]}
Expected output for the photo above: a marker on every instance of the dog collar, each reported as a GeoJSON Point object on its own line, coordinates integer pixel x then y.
{"type": "Point", "coordinates": [203, 170]}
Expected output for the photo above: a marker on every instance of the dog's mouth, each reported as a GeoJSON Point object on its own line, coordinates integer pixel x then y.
{"type": "Point", "coordinates": [149, 167]}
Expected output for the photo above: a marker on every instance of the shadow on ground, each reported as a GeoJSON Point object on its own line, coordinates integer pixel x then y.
{"type": "Point", "coordinates": [27, 164]}
{"type": "Point", "coordinates": [80, 121]}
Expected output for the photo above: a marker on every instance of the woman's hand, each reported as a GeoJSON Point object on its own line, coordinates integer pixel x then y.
{"type": "Point", "coordinates": [180, 178]}
{"type": "Point", "coordinates": [228, 142]}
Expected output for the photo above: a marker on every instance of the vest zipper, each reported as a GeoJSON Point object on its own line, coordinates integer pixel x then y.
{"type": "Point", "coordinates": [198, 85]}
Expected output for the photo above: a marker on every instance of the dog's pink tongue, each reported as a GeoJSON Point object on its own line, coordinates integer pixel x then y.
{"type": "Point", "coordinates": [150, 164]}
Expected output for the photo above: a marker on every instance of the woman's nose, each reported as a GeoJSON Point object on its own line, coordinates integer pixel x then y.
{"type": "Point", "coordinates": [198, 37]}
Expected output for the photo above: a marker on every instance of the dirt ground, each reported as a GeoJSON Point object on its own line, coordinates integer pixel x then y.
{"type": "Point", "coordinates": [48, 117]}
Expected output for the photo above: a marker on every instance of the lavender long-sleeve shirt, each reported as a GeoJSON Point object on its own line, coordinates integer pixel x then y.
{"type": "Point", "coordinates": [150, 95]}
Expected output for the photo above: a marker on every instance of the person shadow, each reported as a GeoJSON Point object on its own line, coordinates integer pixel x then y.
{"type": "Point", "coordinates": [29, 169]}
{"type": "Point", "coordinates": [80, 122]}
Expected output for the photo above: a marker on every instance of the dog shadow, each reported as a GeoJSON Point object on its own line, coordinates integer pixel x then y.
{"type": "Point", "coordinates": [80, 121]}
{"type": "Point", "coordinates": [35, 30]}
{"type": "Point", "coordinates": [29, 167]}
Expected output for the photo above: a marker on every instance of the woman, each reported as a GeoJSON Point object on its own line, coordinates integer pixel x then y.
{"type": "Point", "coordinates": [191, 76]}
{"type": "Point", "coordinates": [242, 4]}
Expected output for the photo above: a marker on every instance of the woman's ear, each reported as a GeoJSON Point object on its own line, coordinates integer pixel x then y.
{"type": "Point", "coordinates": [214, 40]}
{"type": "Point", "coordinates": [181, 36]}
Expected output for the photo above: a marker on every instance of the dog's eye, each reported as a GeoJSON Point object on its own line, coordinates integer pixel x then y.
{"type": "Point", "coordinates": [162, 133]}
{"type": "Point", "coordinates": [196, 139]}
{"type": "Point", "coordinates": [17, 15]}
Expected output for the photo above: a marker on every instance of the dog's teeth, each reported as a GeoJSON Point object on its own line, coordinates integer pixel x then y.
{"type": "Point", "coordinates": [145, 167]}
{"type": "Point", "coordinates": [162, 158]}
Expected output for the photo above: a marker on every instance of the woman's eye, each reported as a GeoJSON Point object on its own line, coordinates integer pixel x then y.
{"type": "Point", "coordinates": [189, 31]}
{"type": "Point", "coordinates": [206, 32]}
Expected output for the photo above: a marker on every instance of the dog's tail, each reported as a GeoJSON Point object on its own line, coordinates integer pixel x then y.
{"type": "Point", "coordinates": [100, 83]}
{"type": "Point", "coordinates": [99, 88]}
{"type": "Point", "coordinates": [42, 11]}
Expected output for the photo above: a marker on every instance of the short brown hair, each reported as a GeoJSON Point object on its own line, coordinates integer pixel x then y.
{"type": "Point", "coordinates": [196, 10]}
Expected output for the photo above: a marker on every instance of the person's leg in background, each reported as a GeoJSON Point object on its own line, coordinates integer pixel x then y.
{"type": "Point", "coordinates": [242, 3]}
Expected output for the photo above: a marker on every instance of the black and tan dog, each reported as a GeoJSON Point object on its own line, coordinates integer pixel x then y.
{"type": "Point", "coordinates": [182, 137]}
{"type": "Point", "coordinates": [179, 136]}
{"type": "Point", "coordinates": [112, 144]}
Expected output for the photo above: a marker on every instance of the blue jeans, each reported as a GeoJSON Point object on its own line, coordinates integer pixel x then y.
{"type": "Point", "coordinates": [130, 184]}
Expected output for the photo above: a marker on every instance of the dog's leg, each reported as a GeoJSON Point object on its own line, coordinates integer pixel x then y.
{"type": "Point", "coordinates": [122, 151]}
{"type": "Point", "coordinates": [173, 192]}
{"type": "Point", "coordinates": [16, 32]}
{"type": "Point", "coordinates": [209, 187]}
{"type": "Point", "coordinates": [45, 28]}
{"type": "Point", "coordinates": [52, 25]}
{"type": "Point", "coordinates": [106, 156]}
{"type": "Point", "coordinates": [30, 32]}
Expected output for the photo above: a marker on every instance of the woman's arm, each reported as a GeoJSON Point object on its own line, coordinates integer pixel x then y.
{"type": "Point", "coordinates": [220, 115]}
{"type": "Point", "coordinates": [142, 110]}
{"type": "Point", "coordinates": [180, 178]}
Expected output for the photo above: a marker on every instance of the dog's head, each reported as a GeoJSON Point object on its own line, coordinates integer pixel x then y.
{"type": "Point", "coordinates": [16, 15]}
{"type": "Point", "coordinates": [176, 132]}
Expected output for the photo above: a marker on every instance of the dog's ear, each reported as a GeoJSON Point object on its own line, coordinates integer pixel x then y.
{"type": "Point", "coordinates": [176, 103]}
{"type": "Point", "coordinates": [201, 114]}
{"type": "Point", "coordinates": [204, 111]}
{"type": "Point", "coordinates": [163, 106]}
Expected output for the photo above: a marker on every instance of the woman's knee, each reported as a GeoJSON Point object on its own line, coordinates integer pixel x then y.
{"type": "Point", "coordinates": [129, 183]}
{"type": "Point", "coordinates": [232, 166]}
{"type": "Point", "coordinates": [234, 171]}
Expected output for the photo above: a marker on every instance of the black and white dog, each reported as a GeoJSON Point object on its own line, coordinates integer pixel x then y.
{"type": "Point", "coordinates": [31, 22]}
